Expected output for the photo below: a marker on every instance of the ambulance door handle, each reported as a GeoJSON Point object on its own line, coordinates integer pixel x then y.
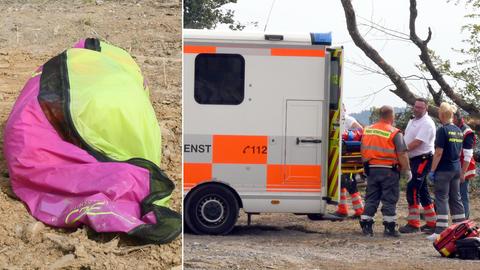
{"type": "Point", "coordinates": [308, 140]}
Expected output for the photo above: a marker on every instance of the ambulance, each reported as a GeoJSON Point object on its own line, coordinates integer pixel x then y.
{"type": "Point", "coordinates": [261, 126]}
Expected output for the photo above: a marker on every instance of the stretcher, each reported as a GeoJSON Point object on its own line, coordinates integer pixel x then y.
{"type": "Point", "coordinates": [352, 159]}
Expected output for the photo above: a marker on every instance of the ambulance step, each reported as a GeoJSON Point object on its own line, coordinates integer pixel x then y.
{"type": "Point", "coordinates": [329, 200]}
{"type": "Point", "coordinates": [327, 216]}
{"type": "Point", "coordinates": [249, 218]}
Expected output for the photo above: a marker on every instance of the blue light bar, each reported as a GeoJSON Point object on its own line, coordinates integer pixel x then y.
{"type": "Point", "coordinates": [321, 38]}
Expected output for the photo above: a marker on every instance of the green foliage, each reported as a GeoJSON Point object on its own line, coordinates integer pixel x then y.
{"type": "Point", "coordinates": [469, 74]}
{"type": "Point", "coordinates": [466, 71]}
{"type": "Point", "coordinates": [207, 14]}
{"type": "Point", "coordinates": [402, 115]}
{"type": "Point", "coordinates": [374, 115]}
{"type": "Point", "coordinates": [473, 3]}
{"type": "Point", "coordinates": [402, 118]}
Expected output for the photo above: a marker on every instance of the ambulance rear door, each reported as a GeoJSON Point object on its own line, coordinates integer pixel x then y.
{"type": "Point", "coordinates": [335, 62]}
{"type": "Point", "coordinates": [305, 128]}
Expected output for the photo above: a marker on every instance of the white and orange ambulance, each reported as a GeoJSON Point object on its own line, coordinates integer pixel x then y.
{"type": "Point", "coordinates": [261, 126]}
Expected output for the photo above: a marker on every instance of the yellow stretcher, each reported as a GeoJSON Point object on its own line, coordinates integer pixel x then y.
{"type": "Point", "coordinates": [352, 163]}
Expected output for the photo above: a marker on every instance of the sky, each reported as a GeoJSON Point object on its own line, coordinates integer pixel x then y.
{"type": "Point", "coordinates": [363, 89]}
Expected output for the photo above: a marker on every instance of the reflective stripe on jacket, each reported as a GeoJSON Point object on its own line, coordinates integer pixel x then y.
{"type": "Point", "coordinates": [378, 147]}
{"type": "Point", "coordinates": [471, 170]}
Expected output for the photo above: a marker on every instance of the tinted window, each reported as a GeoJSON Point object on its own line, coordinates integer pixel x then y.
{"type": "Point", "coordinates": [219, 79]}
{"type": "Point", "coordinates": [334, 83]}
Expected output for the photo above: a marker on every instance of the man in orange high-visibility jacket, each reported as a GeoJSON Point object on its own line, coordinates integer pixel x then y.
{"type": "Point", "coordinates": [385, 157]}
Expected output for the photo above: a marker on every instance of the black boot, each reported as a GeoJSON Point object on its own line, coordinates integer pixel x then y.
{"type": "Point", "coordinates": [408, 229]}
{"type": "Point", "coordinates": [390, 229]}
{"type": "Point", "coordinates": [367, 227]}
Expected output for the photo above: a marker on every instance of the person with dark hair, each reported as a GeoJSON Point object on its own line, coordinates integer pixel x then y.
{"type": "Point", "coordinates": [467, 161]}
{"type": "Point", "coordinates": [420, 137]}
{"type": "Point", "coordinates": [384, 154]}
{"type": "Point", "coordinates": [446, 170]}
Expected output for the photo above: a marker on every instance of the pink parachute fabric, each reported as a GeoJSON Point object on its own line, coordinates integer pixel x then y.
{"type": "Point", "coordinates": [65, 182]}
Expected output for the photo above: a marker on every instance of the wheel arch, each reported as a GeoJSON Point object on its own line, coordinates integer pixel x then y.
{"type": "Point", "coordinates": [215, 183]}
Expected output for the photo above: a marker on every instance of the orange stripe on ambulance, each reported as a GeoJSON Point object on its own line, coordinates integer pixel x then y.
{"type": "Point", "coordinates": [258, 135]}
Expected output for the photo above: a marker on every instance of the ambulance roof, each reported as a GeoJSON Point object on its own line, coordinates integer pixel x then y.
{"type": "Point", "coordinates": [195, 35]}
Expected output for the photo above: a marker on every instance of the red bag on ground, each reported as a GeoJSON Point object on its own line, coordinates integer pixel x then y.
{"type": "Point", "coordinates": [445, 243]}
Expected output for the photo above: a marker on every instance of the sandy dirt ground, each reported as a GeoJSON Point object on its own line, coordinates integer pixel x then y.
{"type": "Point", "coordinates": [286, 241]}
{"type": "Point", "coordinates": [32, 32]}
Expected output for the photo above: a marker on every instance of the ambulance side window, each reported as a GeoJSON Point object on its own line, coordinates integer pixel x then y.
{"type": "Point", "coordinates": [334, 84]}
{"type": "Point", "coordinates": [219, 79]}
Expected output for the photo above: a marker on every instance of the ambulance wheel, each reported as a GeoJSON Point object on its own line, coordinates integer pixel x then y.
{"type": "Point", "coordinates": [186, 227]}
{"type": "Point", "coordinates": [211, 209]}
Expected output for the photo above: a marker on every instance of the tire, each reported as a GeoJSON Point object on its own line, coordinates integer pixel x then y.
{"type": "Point", "coordinates": [186, 227]}
{"type": "Point", "coordinates": [211, 209]}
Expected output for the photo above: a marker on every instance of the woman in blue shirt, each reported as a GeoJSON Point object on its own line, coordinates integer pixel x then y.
{"type": "Point", "coordinates": [445, 171]}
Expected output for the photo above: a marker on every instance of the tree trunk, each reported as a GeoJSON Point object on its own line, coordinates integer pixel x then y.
{"type": "Point", "coordinates": [402, 89]}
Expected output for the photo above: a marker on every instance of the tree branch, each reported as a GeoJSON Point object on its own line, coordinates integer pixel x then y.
{"type": "Point", "coordinates": [402, 89]}
{"type": "Point", "coordinates": [370, 70]}
{"type": "Point", "coordinates": [427, 60]}
{"type": "Point", "coordinates": [437, 96]}
{"type": "Point", "coordinates": [385, 29]}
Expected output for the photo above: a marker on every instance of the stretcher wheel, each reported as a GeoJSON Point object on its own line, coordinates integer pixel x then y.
{"type": "Point", "coordinates": [211, 209]}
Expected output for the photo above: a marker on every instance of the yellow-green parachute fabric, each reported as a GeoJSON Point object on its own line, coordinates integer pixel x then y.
{"type": "Point", "coordinates": [130, 130]}
{"type": "Point", "coordinates": [83, 146]}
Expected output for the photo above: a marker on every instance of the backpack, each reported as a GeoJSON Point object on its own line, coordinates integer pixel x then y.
{"type": "Point", "coordinates": [446, 242]}
{"type": "Point", "coordinates": [468, 248]}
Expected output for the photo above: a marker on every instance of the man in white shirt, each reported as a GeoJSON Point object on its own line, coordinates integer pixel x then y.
{"type": "Point", "coordinates": [420, 138]}
{"type": "Point", "coordinates": [351, 123]}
